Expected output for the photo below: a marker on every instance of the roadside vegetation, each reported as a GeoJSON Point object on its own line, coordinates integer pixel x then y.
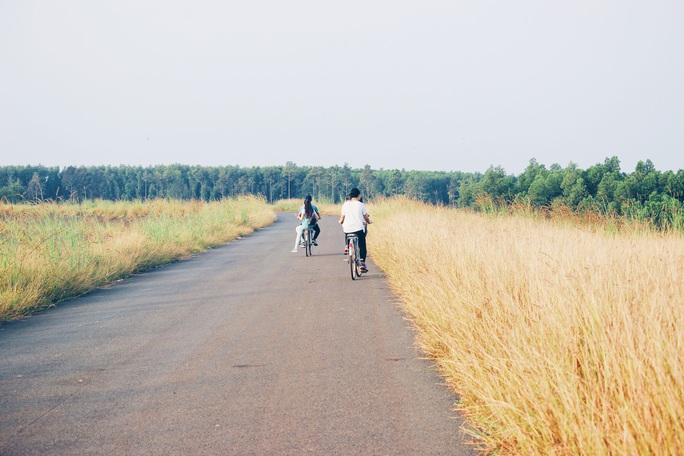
{"type": "Point", "coordinates": [645, 193]}
{"type": "Point", "coordinates": [561, 331]}
{"type": "Point", "coordinates": [293, 205]}
{"type": "Point", "coordinates": [50, 252]}
{"type": "Point", "coordinates": [560, 334]}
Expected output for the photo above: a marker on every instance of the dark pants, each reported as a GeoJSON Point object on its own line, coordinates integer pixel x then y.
{"type": "Point", "coordinates": [317, 231]}
{"type": "Point", "coordinates": [362, 243]}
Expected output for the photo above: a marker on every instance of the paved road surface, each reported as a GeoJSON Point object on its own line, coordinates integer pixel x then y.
{"type": "Point", "coordinates": [247, 349]}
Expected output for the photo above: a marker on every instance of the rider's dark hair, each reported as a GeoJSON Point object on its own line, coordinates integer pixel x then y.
{"type": "Point", "coordinates": [355, 192]}
{"type": "Point", "coordinates": [308, 209]}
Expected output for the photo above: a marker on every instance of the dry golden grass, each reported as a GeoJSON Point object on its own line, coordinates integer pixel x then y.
{"type": "Point", "coordinates": [559, 339]}
{"type": "Point", "coordinates": [51, 252]}
{"type": "Point", "coordinates": [293, 205]}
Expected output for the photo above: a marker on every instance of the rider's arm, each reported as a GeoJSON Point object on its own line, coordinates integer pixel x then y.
{"type": "Point", "coordinates": [366, 217]}
{"type": "Point", "coordinates": [341, 219]}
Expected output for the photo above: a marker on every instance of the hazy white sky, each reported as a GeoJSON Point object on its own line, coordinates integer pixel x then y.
{"type": "Point", "coordinates": [454, 85]}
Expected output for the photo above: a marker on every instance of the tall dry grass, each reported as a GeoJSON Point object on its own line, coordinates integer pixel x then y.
{"type": "Point", "coordinates": [294, 204]}
{"type": "Point", "coordinates": [558, 338]}
{"type": "Point", "coordinates": [51, 252]}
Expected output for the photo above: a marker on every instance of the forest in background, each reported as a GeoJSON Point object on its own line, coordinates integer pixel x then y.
{"type": "Point", "coordinates": [644, 193]}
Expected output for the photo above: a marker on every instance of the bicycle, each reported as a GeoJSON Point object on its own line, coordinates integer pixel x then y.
{"type": "Point", "coordinates": [354, 256]}
{"type": "Point", "coordinates": [308, 240]}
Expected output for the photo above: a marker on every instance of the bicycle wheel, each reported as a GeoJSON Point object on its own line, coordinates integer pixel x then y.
{"type": "Point", "coordinates": [351, 258]}
{"type": "Point", "coordinates": [354, 258]}
{"type": "Point", "coordinates": [357, 258]}
{"type": "Point", "coordinates": [309, 242]}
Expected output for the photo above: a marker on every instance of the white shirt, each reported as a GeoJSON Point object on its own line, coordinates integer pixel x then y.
{"type": "Point", "coordinates": [353, 212]}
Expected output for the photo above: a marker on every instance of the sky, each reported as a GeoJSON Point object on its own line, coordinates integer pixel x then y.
{"type": "Point", "coordinates": [435, 85]}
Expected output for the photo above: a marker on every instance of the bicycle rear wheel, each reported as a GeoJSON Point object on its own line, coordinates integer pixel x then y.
{"type": "Point", "coordinates": [354, 258]}
{"type": "Point", "coordinates": [351, 260]}
{"type": "Point", "coordinates": [309, 242]}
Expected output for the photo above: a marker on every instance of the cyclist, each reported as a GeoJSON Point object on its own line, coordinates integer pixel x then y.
{"type": "Point", "coordinates": [353, 219]}
{"type": "Point", "coordinates": [365, 226]}
{"type": "Point", "coordinates": [313, 220]}
{"type": "Point", "coordinates": [309, 216]}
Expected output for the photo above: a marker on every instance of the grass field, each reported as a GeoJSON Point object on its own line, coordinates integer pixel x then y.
{"type": "Point", "coordinates": [51, 252]}
{"type": "Point", "coordinates": [559, 338]}
{"type": "Point", "coordinates": [560, 335]}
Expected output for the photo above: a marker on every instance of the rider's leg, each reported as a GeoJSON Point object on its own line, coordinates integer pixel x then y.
{"type": "Point", "coordinates": [317, 231]}
{"type": "Point", "coordinates": [362, 245]}
{"type": "Point", "coordinates": [298, 239]}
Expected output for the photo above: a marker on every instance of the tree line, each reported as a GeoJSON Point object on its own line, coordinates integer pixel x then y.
{"type": "Point", "coordinates": [184, 182]}
{"type": "Point", "coordinates": [644, 193]}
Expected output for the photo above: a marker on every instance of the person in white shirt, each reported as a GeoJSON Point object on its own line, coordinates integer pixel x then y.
{"type": "Point", "coordinates": [353, 219]}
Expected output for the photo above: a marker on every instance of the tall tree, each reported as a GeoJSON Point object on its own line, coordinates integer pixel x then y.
{"type": "Point", "coordinates": [367, 181]}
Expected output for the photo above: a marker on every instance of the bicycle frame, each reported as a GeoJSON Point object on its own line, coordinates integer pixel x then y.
{"type": "Point", "coordinates": [308, 240]}
{"type": "Point", "coordinates": [353, 257]}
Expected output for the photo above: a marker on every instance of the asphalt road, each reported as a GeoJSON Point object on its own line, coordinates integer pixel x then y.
{"type": "Point", "coordinates": [247, 349]}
